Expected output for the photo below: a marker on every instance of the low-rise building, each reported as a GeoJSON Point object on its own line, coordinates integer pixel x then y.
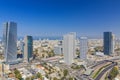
{"type": "Point", "coordinates": [58, 50]}
{"type": "Point", "coordinates": [25, 73]}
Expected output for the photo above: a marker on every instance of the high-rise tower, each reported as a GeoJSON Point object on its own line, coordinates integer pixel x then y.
{"type": "Point", "coordinates": [108, 43]}
{"type": "Point", "coordinates": [28, 48]}
{"type": "Point", "coordinates": [83, 48]}
{"type": "Point", "coordinates": [10, 42]}
{"type": "Point", "coordinates": [69, 48]}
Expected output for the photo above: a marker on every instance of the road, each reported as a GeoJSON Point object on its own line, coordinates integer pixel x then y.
{"type": "Point", "coordinates": [106, 69]}
{"type": "Point", "coordinates": [99, 63]}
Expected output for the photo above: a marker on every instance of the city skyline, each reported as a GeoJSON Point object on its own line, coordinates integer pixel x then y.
{"type": "Point", "coordinates": [59, 40]}
{"type": "Point", "coordinates": [39, 18]}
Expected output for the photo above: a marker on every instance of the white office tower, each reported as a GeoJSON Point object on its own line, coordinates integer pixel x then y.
{"type": "Point", "coordinates": [69, 48]}
{"type": "Point", "coordinates": [74, 34]}
{"type": "Point", "coordinates": [83, 48]}
{"type": "Point", "coordinates": [10, 42]}
{"type": "Point", "coordinates": [113, 43]}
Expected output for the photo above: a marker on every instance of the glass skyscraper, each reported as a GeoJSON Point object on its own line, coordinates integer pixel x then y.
{"type": "Point", "coordinates": [28, 48]}
{"type": "Point", "coordinates": [108, 41]}
{"type": "Point", "coordinates": [10, 42]}
{"type": "Point", "coordinates": [83, 48]}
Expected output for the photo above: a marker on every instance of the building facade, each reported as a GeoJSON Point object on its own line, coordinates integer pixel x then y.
{"type": "Point", "coordinates": [58, 50]}
{"type": "Point", "coordinates": [83, 48]}
{"type": "Point", "coordinates": [28, 48]}
{"type": "Point", "coordinates": [108, 43]}
{"type": "Point", "coordinates": [69, 48]}
{"type": "Point", "coordinates": [10, 42]}
{"type": "Point", "coordinates": [113, 43]}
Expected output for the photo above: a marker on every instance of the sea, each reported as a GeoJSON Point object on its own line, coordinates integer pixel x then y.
{"type": "Point", "coordinates": [49, 38]}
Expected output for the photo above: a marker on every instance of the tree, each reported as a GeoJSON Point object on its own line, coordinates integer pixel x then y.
{"type": "Point", "coordinates": [49, 54]}
{"type": "Point", "coordinates": [43, 55]}
{"type": "Point", "coordinates": [36, 51]}
{"type": "Point", "coordinates": [55, 78]}
{"type": "Point", "coordinates": [62, 78]}
{"type": "Point", "coordinates": [17, 74]}
{"type": "Point", "coordinates": [33, 77]}
{"type": "Point", "coordinates": [77, 52]}
{"type": "Point", "coordinates": [65, 72]}
{"type": "Point", "coordinates": [16, 71]}
{"type": "Point", "coordinates": [98, 48]}
{"type": "Point", "coordinates": [47, 75]}
{"type": "Point", "coordinates": [70, 78]}
{"type": "Point", "coordinates": [113, 73]}
{"type": "Point", "coordinates": [39, 76]}
{"type": "Point", "coordinates": [27, 78]}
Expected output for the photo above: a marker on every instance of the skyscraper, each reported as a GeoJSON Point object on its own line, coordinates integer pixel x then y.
{"type": "Point", "coordinates": [113, 43]}
{"type": "Point", "coordinates": [108, 43]}
{"type": "Point", "coordinates": [74, 54]}
{"type": "Point", "coordinates": [21, 49]}
{"type": "Point", "coordinates": [83, 48]}
{"type": "Point", "coordinates": [28, 48]}
{"type": "Point", "coordinates": [21, 46]}
{"type": "Point", "coordinates": [69, 48]}
{"type": "Point", "coordinates": [10, 42]}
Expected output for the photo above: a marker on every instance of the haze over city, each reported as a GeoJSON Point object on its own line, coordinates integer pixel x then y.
{"type": "Point", "coordinates": [41, 17]}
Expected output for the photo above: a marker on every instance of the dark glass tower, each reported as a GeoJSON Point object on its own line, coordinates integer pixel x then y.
{"type": "Point", "coordinates": [28, 48]}
{"type": "Point", "coordinates": [108, 43]}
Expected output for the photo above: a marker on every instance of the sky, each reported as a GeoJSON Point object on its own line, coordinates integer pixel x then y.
{"type": "Point", "coordinates": [58, 17]}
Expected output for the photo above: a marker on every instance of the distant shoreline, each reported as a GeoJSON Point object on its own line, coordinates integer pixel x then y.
{"type": "Point", "coordinates": [50, 38]}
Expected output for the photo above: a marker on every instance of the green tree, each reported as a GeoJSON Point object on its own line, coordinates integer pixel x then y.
{"type": "Point", "coordinates": [17, 74]}
{"type": "Point", "coordinates": [28, 78]}
{"type": "Point", "coordinates": [49, 54]}
{"type": "Point", "coordinates": [39, 76]}
{"type": "Point", "coordinates": [16, 71]}
{"type": "Point", "coordinates": [65, 72]}
{"type": "Point", "coordinates": [43, 55]}
{"type": "Point", "coordinates": [77, 52]}
{"type": "Point", "coordinates": [33, 77]}
{"type": "Point", "coordinates": [47, 75]}
{"type": "Point", "coordinates": [55, 78]}
{"type": "Point", "coordinates": [70, 78]}
{"type": "Point", "coordinates": [36, 51]}
{"type": "Point", "coordinates": [98, 48]}
{"type": "Point", "coordinates": [62, 78]}
{"type": "Point", "coordinates": [113, 73]}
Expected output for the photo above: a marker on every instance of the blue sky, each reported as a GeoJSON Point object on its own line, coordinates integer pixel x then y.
{"type": "Point", "coordinates": [58, 17]}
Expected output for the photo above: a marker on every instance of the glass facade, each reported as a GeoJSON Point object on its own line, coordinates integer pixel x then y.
{"type": "Point", "coordinates": [10, 42]}
{"type": "Point", "coordinates": [108, 43]}
{"type": "Point", "coordinates": [28, 48]}
{"type": "Point", "coordinates": [83, 48]}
